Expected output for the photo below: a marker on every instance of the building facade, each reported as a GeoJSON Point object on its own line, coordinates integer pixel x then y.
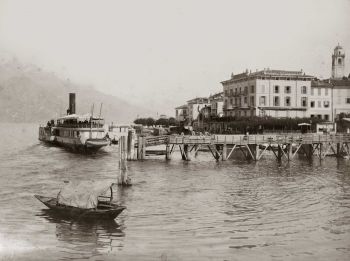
{"type": "Point", "coordinates": [181, 113]}
{"type": "Point", "coordinates": [194, 107]}
{"type": "Point", "coordinates": [216, 104]}
{"type": "Point", "coordinates": [332, 96]}
{"type": "Point", "coordinates": [275, 93]}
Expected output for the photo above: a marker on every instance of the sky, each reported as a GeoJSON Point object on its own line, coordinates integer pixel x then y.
{"type": "Point", "coordinates": [158, 54]}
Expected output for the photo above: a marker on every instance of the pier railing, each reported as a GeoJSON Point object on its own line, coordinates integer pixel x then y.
{"type": "Point", "coordinates": [260, 139]}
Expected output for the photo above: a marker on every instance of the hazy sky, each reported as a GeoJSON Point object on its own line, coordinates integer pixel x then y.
{"type": "Point", "coordinates": [158, 54]}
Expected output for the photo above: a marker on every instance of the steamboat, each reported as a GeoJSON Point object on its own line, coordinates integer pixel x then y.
{"type": "Point", "coordinates": [79, 133]}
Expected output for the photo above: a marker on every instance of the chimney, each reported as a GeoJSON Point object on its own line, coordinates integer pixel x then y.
{"type": "Point", "coordinates": [72, 103]}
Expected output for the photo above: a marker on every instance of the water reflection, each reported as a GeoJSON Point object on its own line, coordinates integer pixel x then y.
{"type": "Point", "coordinates": [86, 238]}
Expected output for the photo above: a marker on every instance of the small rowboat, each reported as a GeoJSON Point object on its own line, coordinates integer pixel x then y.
{"type": "Point", "coordinates": [93, 204]}
{"type": "Point", "coordinates": [103, 211]}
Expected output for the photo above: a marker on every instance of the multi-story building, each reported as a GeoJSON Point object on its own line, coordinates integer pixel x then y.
{"type": "Point", "coordinates": [194, 107]}
{"type": "Point", "coordinates": [331, 97]}
{"type": "Point", "coordinates": [275, 93]}
{"type": "Point", "coordinates": [181, 113]}
{"type": "Point", "coordinates": [320, 100]}
{"type": "Point", "coordinates": [216, 104]}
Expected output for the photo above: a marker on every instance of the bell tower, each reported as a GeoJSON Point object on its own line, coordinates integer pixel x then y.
{"type": "Point", "coordinates": [338, 62]}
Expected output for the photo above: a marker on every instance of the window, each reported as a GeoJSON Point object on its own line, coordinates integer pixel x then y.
{"type": "Point", "coordinates": [303, 90]}
{"type": "Point", "coordinates": [319, 105]}
{"type": "Point", "coordinates": [245, 113]}
{"type": "Point", "coordinates": [277, 89]}
{"type": "Point", "coordinates": [262, 100]}
{"type": "Point", "coordinates": [245, 90]}
{"type": "Point", "coordinates": [312, 116]}
{"type": "Point", "coordinates": [231, 92]}
{"type": "Point", "coordinates": [312, 91]}
{"type": "Point", "coordinates": [226, 92]}
{"type": "Point", "coordinates": [339, 61]}
{"type": "Point", "coordinates": [326, 117]}
{"type": "Point", "coordinates": [312, 104]}
{"type": "Point", "coordinates": [326, 104]}
{"type": "Point", "coordinates": [231, 101]}
{"type": "Point", "coordinates": [245, 100]}
{"type": "Point", "coordinates": [236, 101]}
{"type": "Point", "coordinates": [235, 90]}
{"type": "Point", "coordinates": [347, 100]}
{"type": "Point", "coordinates": [252, 101]}
{"type": "Point", "coordinates": [326, 91]}
{"type": "Point", "coordinates": [319, 91]}
{"type": "Point", "coordinates": [287, 101]}
{"type": "Point", "coordinates": [252, 88]}
{"type": "Point", "coordinates": [319, 116]}
{"type": "Point", "coordinates": [276, 101]}
{"type": "Point", "coordinates": [303, 101]}
{"type": "Point", "coordinates": [287, 89]}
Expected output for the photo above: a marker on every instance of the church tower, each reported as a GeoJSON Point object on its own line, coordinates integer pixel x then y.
{"type": "Point", "coordinates": [338, 63]}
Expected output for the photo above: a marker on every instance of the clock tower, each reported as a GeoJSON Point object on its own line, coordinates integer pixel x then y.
{"type": "Point", "coordinates": [338, 62]}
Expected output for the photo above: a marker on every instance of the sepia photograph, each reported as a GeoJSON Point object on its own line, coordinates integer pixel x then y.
{"type": "Point", "coordinates": [175, 130]}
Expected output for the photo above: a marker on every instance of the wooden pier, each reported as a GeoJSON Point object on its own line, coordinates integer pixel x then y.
{"type": "Point", "coordinates": [252, 147]}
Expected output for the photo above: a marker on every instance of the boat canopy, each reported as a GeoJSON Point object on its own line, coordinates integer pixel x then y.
{"type": "Point", "coordinates": [304, 124]}
{"type": "Point", "coordinates": [79, 118]}
{"type": "Point", "coordinates": [84, 194]}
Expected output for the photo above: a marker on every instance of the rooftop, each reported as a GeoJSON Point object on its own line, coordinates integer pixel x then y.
{"type": "Point", "coordinates": [182, 107]}
{"type": "Point", "coordinates": [198, 100]}
{"type": "Point", "coordinates": [268, 73]}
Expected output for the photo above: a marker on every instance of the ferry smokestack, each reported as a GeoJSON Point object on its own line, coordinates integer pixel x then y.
{"type": "Point", "coordinates": [72, 103]}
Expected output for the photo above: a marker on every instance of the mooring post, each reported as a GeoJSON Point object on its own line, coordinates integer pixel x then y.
{"type": "Point", "coordinates": [339, 146]}
{"type": "Point", "coordinates": [143, 147]}
{"type": "Point", "coordinates": [224, 151]}
{"type": "Point", "coordinates": [131, 144]}
{"type": "Point", "coordinates": [167, 152]}
{"type": "Point", "coordinates": [290, 151]}
{"type": "Point", "coordinates": [139, 147]}
{"type": "Point", "coordinates": [123, 179]}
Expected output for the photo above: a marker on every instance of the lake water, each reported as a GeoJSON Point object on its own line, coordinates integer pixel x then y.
{"type": "Point", "coordinates": [176, 210]}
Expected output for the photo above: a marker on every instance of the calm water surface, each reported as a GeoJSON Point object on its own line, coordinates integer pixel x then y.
{"type": "Point", "coordinates": [198, 210]}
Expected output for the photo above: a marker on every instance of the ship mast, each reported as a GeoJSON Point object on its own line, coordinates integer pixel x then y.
{"type": "Point", "coordinates": [99, 117]}
{"type": "Point", "coordinates": [91, 117]}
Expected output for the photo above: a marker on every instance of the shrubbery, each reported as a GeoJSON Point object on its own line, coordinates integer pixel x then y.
{"type": "Point", "coordinates": [150, 122]}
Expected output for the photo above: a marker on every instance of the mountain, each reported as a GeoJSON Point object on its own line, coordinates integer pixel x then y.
{"type": "Point", "coordinates": [29, 94]}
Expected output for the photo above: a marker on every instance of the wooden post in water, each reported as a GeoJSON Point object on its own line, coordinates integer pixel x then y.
{"type": "Point", "coordinates": [167, 152]}
{"type": "Point", "coordinates": [339, 146]}
{"type": "Point", "coordinates": [224, 152]}
{"type": "Point", "coordinates": [290, 151]}
{"type": "Point", "coordinates": [123, 179]}
{"type": "Point", "coordinates": [131, 144]}
{"type": "Point", "coordinates": [143, 147]}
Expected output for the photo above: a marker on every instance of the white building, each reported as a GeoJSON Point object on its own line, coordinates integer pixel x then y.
{"type": "Point", "coordinates": [332, 96]}
{"type": "Point", "coordinates": [275, 93]}
{"type": "Point", "coordinates": [194, 107]}
{"type": "Point", "coordinates": [181, 113]}
{"type": "Point", "coordinates": [216, 104]}
{"type": "Point", "coordinates": [320, 104]}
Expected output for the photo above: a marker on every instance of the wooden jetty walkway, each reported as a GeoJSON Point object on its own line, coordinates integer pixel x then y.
{"type": "Point", "coordinates": [253, 147]}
